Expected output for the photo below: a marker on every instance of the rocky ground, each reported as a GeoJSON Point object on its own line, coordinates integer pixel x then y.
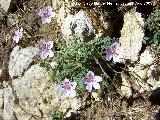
{"type": "Point", "coordinates": [28, 92]}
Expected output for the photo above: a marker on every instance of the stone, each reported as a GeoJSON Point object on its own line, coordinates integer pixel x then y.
{"type": "Point", "coordinates": [0, 72]}
{"type": "Point", "coordinates": [126, 86]}
{"type": "Point", "coordinates": [146, 58]}
{"type": "Point", "coordinates": [132, 35]}
{"type": "Point", "coordinates": [95, 96]}
{"type": "Point", "coordinates": [66, 29]}
{"type": "Point", "coordinates": [1, 103]}
{"type": "Point", "coordinates": [79, 25]}
{"type": "Point", "coordinates": [154, 76]}
{"type": "Point", "coordinates": [139, 76]}
{"type": "Point", "coordinates": [35, 92]}
{"type": "Point", "coordinates": [8, 102]}
{"type": "Point", "coordinates": [12, 19]}
{"type": "Point", "coordinates": [146, 78]}
{"type": "Point", "coordinates": [38, 96]}
{"type": "Point", "coordinates": [73, 104]}
{"type": "Point", "coordinates": [5, 4]}
{"type": "Point", "coordinates": [20, 60]}
{"type": "Point", "coordinates": [61, 15]}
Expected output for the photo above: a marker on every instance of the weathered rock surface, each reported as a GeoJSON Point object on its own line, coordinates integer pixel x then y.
{"type": "Point", "coordinates": [0, 71]}
{"type": "Point", "coordinates": [132, 35]}
{"type": "Point", "coordinates": [146, 58]}
{"type": "Point", "coordinates": [38, 96]}
{"type": "Point", "coordinates": [126, 86]}
{"type": "Point", "coordinates": [8, 102]}
{"type": "Point", "coordinates": [1, 102]}
{"type": "Point", "coordinates": [20, 60]}
{"type": "Point", "coordinates": [79, 25]}
{"type": "Point", "coordinates": [12, 19]}
{"type": "Point", "coordinates": [146, 78]}
{"type": "Point", "coordinates": [5, 4]}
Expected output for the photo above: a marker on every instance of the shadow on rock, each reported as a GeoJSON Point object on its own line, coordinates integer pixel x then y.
{"type": "Point", "coordinates": [157, 116]}
{"type": "Point", "coordinates": [154, 98]}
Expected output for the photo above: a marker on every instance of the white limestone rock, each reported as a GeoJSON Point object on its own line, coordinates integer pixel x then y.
{"type": "Point", "coordinates": [20, 59]}
{"type": "Point", "coordinates": [1, 103]}
{"type": "Point", "coordinates": [154, 76]}
{"type": "Point", "coordinates": [78, 24]}
{"type": "Point", "coordinates": [0, 72]}
{"type": "Point", "coordinates": [146, 78]}
{"type": "Point", "coordinates": [38, 96]}
{"type": "Point", "coordinates": [36, 92]}
{"type": "Point", "coordinates": [81, 26]}
{"type": "Point", "coordinates": [146, 58]}
{"type": "Point", "coordinates": [5, 4]}
{"type": "Point", "coordinates": [126, 86]}
{"type": "Point", "coordinates": [8, 102]}
{"type": "Point", "coordinates": [12, 19]}
{"type": "Point", "coordinates": [132, 35]}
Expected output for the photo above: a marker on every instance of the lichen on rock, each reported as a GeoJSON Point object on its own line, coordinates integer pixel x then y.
{"type": "Point", "coordinates": [132, 35]}
{"type": "Point", "coordinates": [37, 97]}
{"type": "Point", "coordinates": [126, 86]}
{"type": "Point", "coordinates": [78, 25]}
{"type": "Point", "coordinates": [20, 60]}
{"type": "Point", "coordinates": [5, 4]}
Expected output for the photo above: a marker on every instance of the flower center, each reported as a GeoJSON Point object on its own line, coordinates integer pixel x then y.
{"type": "Point", "coordinates": [67, 86]}
{"type": "Point", "coordinates": [47, 13]}
{"type": "Point", "coordinates": [111, 50]}
{"type": "Point", "coordinates": [89, 78]}
{"type": "Point", "coordinates": [45, 47]}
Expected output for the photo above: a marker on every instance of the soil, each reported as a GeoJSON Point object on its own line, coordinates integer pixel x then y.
{"type": "Point", "coordinates": [116, 107]}
{"type": "Point", "coordinates": [111, 106]}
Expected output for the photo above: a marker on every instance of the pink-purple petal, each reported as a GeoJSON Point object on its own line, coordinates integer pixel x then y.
{"type": "Point", "coordinates": [46, 14]}
{"type": "Point", "coordinates": [50, 53]}
{"type": "Point", "coordinates": [114, 52]}
{"type": "Point", "coordinates": [15, 38]}
{"type": "Point", "coordinates": [109, 57]}
{"type": "Point", "coordinates": [90, 73]}
{"type": "Point", "coordinates": [89, 87]}
{"type": "Point", "coordinates": [72, 93]}
{"type": "Point", "coordinates": [46, 20]}
{"type": "Point", "coordinates": [74, 84]}
{"type": "Point", "coordinates": [116, 58]}
{"type": "Point", "coordinates": [43, 54]}
{"type": "Point", "coordinates": [96, 85]}
{"type": "Point", "coordinates": [97, 78]}
{"type": "Point", "coordinates": [49, 44]}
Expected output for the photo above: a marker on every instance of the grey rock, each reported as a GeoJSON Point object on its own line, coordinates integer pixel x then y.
{"type": "Point", "coordinates": [1, 102]}
{"type": "Point", "coordinates": [12, 19]}
{"type": "Point", "coordinates": [126, 87]}
{"type": "Point", "coordinates": [20, 60]}
{"type": "Point", "coordinates": [5, 4]}
{"type": "Point", "coordinates": [79, 25]}
{"type": "Point", "coordinates": [0, 72]}
{"type": "Point", "coordinates": [8, 102]}
{"type": "Point", "coordinates": [37, 95]}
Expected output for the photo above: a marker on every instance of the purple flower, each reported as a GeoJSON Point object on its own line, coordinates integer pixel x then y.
{"type": "Point", "coordinates": [45, 49]}
{"type": "Point", "coordinates": [92, 81]}
{"type": "Point", "coordinates": [68, 88]}
{"type": "Point", "coordinates": [114, 52]}
{"type": "Point", "coordinates": [18, 35]}
{"type": "Point", "coordinates": [46, 14]}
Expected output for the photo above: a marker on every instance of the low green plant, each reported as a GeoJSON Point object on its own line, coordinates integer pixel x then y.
{"type": "Point", "coordinates": [76, 60]}
{"type": "Point", "coordinates": [57, 115]}
{"type": "Point", "coordinates": [153, 25]}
